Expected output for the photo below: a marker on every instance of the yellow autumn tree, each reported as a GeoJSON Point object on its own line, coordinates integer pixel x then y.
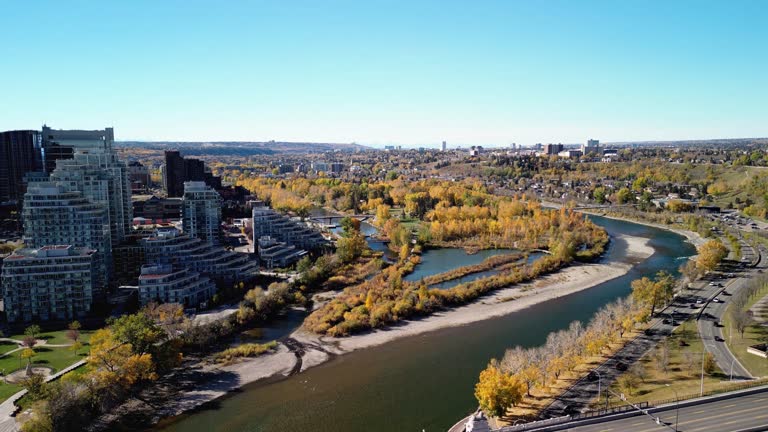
{"type": "Point", "coordinates": [496, 391]}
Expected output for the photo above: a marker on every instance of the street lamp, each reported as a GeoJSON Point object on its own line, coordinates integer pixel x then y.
{"type": "Point", "coordinates": [732, 360]}
{"type": "Point", "coordinates": [599, 383]}
{"type": "Point", "coordinates": [677, 405]}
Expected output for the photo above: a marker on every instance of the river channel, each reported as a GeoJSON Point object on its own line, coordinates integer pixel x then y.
{"type": "Point", "coordinates": [425, 382]}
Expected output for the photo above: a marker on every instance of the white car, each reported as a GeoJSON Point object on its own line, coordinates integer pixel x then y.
{"type": "Point", "coordinates": [716, 300]}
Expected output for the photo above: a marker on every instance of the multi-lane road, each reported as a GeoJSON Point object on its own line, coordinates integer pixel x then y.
{"type": "Point", "coordinates": [745, 413]}
{"type": "Point", "coordinates": [688, 304]}
{"type": "Point", "coordinates": [710, 323]}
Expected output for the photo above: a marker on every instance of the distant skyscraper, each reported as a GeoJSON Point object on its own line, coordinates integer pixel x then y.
{"type": "Point", "coordinates": [201, 212]}
{"type": "Point", "coordinates": [592, 146]}
{"type": "Point", "coordinates": [444, 146]}
{"type": "Point", "coordinates": [62, 144]}
{"type": "Point", "coordinates": [552, 149]}
{"type": "Point", "coordinates": [103, 179]}
{"type": "Point", "coordinates": [19, 154]}
{"type": "Point", "coordinates": [178, 170]}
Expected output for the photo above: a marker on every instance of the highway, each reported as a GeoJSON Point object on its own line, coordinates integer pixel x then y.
{"type": "Point", "coordinates": [748, 412]}
{"type": "Point", "coordinates": [711, 333]}
{"type": "Point", "coordinates": [577, 398]}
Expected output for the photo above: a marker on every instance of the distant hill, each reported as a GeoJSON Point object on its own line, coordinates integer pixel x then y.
{"type": "Point", "coordinates": [242, 147]}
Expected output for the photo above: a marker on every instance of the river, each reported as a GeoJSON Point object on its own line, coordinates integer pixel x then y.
{"type": "Point", "coordinates": [423, 382]}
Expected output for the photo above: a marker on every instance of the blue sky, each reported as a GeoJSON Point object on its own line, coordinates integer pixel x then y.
{"type": "Point", "coordinates": [381, 72]}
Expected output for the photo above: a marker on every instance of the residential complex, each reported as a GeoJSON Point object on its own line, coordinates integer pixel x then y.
{"type": "Point", "coordinates": [162, 283]}
{"type": "Point", "coordinates": [53, 214]}
{"type": "Point", "coordinates": [51, 283]}
{"type": "Point", "coordinates": [169, 246]}
{"type": "Point", "coordinates": [201, 212]}
{"type": "Point", "coordinates": [278, 254]}
{"type": "Point", "coordinates": [103, 179]}
{"type": "Point", "coordinates": [267, 222]}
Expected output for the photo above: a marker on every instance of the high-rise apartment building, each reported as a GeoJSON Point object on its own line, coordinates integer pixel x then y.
{"type": "Point", "coordinates": [63, 144]}
{"type": "Point", "coordinates": [201, 212]}
{"type": "Point", "coordinates": [19, 154]}
{"type": "Point", "coordinates": [552, 149]}
{"type": "Point", "coordinates": [444, 146]}
{"type": "Point", "coordinates": [103, 179]}
{"type": "Point", "coordinates": [54, 214]}
{"type": "Point", "coordinates": [51, 283]}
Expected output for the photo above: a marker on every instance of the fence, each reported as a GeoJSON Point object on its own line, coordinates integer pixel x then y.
{"type": "Point", "coordinates": [727, 389]}
{"type": "Point", "coordinates": [609, 411]}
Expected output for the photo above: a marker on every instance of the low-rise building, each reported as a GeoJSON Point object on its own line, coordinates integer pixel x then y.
{"type": "Point", "coordinates": [52, 283]}
{"type": "Point", "coordinates": [162, 283]}
{"type": "Point", "coordinates": [267, 222]}
{"type": "Point", "coordinates": [273, 253]}
{"type": "Point", "coordinates": [169, 246]}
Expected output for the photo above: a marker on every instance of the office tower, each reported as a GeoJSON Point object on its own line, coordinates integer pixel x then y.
{"type": "Point", "coordinates": [592, 146]}
{"type": "Point", "coordinates": [178, 170]}
{"type": "Point", "coordinates": [552, 149]}
{"type": "Point", "coordinates": [201, 212]}
{"type": "Point", "coordinates": [54, 214]}
{"type": "Point", "coordinates": [444, 146]}
{"type": "Point", "coordinates": [103, 179]}
{"type": "Point", "coordinates": [139, 176]}
{"type": "Point", "coordinates": [51, 283]}
{"type": "Point", "coordinates": [63, 144]}
{"type": "Point", "coordinates": [19, 155]}
{"type": "Point", "coordinates": [163, 284]}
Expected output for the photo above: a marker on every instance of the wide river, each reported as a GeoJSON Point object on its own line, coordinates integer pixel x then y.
{"type": "Point", "coordinates": [425, 382]}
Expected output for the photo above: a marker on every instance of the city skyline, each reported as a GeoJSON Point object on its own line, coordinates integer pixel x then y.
{"type": "Point", "coordinates": [390, 73]}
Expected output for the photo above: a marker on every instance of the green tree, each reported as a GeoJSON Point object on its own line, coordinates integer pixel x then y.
{"type": "Point", "coordinates": [32, 330]}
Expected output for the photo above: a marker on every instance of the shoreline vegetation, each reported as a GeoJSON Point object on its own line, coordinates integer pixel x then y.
{"type": "Point", "coordinates": [386, 299]}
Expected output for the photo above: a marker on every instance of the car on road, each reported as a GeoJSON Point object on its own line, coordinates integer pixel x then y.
{"type": "Point", "coordinates": [712, 284]}
{"type": "Point", "coordinates": [699, 301]}
{"type": "Point", "coordinates": [719, 339]}
{"type": "Point", "coordinates": [716, 300]}
{"type": "Point", "coordinates": [693, 306]}
{"type": "Point", "coordinates": [666, 321]}
{"type": "Point", "coordinates": [621, 367]}
{"type": "Point", "coordinates": [592, 376]}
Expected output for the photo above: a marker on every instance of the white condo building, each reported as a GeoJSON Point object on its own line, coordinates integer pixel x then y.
{"type": "Point", "coordinates": [54, 215]}
{"type": "Point", "coordinates": [201, 212]}
{"type": "Point", "coordinates": [163, 284]}
{"type": "Point", "coordinates": [103, 179]}
{"type": "Point", "coordinates": [169, 246]}
{"type": "Point", "coordinates": [52, 283]}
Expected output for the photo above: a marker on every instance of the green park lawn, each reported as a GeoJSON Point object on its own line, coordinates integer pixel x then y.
{"type": "Point", "coordinates": [58, 337]}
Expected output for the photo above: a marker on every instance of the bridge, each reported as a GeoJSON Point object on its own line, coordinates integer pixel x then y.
{"type": "Point", "coordinates": [330, 218]}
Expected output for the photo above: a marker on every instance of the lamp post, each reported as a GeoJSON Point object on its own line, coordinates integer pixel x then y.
{"type": "Point", "coordinates": [677, 405]}
{"type": "Point", "coordinates": [732, 360]}
{"type": "Point", "coordinates": [599, 383]}
{"type": "Point", "coordinates": [703, 353]}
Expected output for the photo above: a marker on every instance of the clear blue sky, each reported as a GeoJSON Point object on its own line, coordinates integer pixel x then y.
{"type": "Point", "coordinates": [379, 72]}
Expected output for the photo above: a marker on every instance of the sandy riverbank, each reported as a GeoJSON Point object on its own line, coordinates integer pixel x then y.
{"type": "Point", "coordinates": [308, 350]}
{"type": "Point", "coordinates": [500, 302]}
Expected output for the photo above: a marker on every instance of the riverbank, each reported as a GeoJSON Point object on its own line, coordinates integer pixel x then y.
{"type": "Point", "coordinates": [303, 350]}
{"type": "Point", "coordinates": [693, 237]}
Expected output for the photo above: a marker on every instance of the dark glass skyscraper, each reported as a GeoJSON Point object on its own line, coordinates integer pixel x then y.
{"type": "Point", "coordinates": [19, 154]}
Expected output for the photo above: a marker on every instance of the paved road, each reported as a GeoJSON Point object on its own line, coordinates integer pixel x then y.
{"type": "Point", "coordinates": [712, 334]}
{"type": "Point", "coordinates": [577, 397]}
{"type": "Point", "coordinates": [745, 412]}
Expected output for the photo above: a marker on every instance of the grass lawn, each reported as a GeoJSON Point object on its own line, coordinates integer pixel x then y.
{"type": "Point", "coordinates": [56, 358]}
{"type": "Point", "coordinates": [753, 335]}
{"type": "Point", "coordinates": [683, 373]}
{"type": "Point", "coordinates": [58, 337]}
{"type": "Point", "coordinates": [6, 346]}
